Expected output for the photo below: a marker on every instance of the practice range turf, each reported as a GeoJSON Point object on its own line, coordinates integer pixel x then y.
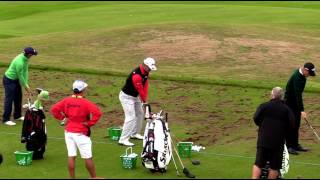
{"type": "Point", "coordinates": [217, 61]}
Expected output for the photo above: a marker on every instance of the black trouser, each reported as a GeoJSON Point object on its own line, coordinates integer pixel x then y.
{"type": "Point", "coordinates": [13, 95]}
{"type": "Point", "coordinates": [292, 139]}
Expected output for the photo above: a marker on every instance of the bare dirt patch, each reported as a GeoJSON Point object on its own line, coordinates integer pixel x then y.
{"type": "Point", "coordinates": [268, 53]}
{"type": "Point", "coordinates": [241, 122]}
{"type": "Point", "coordinates": [111, 118]}
{"type": "Point", "coordinates": [209, 134]}
{"type": "Point", "coordinates": [104, 82]}
{"type": "Point", "coordinates": [173, 88]}
{"type": "Point", "coordinates": [56, 96]}
{"type": "Point", "coordinates": [239, 54]}
{"type": "Point", "coordinates": [272, 47]}
{"type": "Point", "coordinates": [306, 133]}
{"type": "Point", "coordinates": [177, 45]}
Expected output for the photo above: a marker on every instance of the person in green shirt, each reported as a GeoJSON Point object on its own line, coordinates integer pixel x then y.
{"type": "Point", "coordinates": [293, 98]}
{"type": "Point", "coordinates": [14, 78]}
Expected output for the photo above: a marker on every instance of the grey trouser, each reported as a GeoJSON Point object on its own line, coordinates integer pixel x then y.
{"type": "Point", "coordinates": [133, 112]}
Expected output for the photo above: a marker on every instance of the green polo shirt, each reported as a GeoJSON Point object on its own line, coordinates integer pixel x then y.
{"type": "Point", "coordinates": [18, 70]}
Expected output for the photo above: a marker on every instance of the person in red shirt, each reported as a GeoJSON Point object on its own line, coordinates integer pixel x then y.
{"type": "Point", "coordinates": [76, 111]}
{"type": "Point", "coordinates": [132, 97]}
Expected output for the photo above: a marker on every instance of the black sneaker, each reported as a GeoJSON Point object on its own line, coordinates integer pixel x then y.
{"type": "Point", "coordinates": [293, 151]}
{"type": "Point", "coordinates": [300, 148]}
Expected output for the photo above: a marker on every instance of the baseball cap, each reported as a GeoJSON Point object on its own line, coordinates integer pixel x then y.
{"type": "Point", "coordinates": [30, 50]}
{"type": "Point", "coordinates": [79, 85]}
{"type": "Point", "coordinates": [151, 63]}
{"type": "Point", "coordinates": [310, 67]}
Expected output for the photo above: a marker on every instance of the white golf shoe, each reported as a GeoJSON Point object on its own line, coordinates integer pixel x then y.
{"type": "Point", "coordinates": [126, 143]}
{"type": "Point", "coordinates": [137, 136]}
{"type": "Point", "coordinates": [20, 118]}
{"type": "Point", "coordinates": [10, 123]}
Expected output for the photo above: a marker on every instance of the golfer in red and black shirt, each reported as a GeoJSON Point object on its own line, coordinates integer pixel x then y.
{"type": "Point", "coordinates": [133, 94]}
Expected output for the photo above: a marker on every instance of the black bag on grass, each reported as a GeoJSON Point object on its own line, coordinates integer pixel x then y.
{"type": "Point", "coordinates": [34, 132]}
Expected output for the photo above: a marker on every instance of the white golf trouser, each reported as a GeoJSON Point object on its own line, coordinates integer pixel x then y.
{"type": "Point", "coordinates": [133, 112]}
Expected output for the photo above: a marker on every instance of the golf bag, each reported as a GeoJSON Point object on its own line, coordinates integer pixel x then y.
{"type": "Point", "coordinates": [34, 132]}
{"type": "Point", "coordinates": [284, 168]}
{"type": "Point", "coordinates": [157, 152]}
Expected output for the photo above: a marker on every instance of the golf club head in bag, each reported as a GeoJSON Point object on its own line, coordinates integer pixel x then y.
{"type": "Point", "coordinates": [39, 90]}
{"type": "Point", "coordinates": [28, 105]}
{"type": "Point", "coordinates": [156, 153]}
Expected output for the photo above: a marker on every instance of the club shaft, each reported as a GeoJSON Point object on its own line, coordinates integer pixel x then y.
{"type": "Point", "coordinates": [174, 162]}
{"type": "Point", "coordinates": [174, 147]}
{"type": "Point", "coordinates": [314, 131]}
{"type": "Point", "coordinates": [316, 134]}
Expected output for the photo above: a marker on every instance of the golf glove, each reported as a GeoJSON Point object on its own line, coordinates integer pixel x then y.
{"type": "Point", "coordinates": [63, 122]}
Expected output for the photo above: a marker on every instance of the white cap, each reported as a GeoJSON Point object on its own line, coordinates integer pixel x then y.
{"type": "Point", "coordinates": [151, 63]}
{"type": "Point", "coordinates": [79, 85]}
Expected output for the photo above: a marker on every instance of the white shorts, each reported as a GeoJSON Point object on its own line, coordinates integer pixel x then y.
{"type": "Point", "coordinates": [80, 141]}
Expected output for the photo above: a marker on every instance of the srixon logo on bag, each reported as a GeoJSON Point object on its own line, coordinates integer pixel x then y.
{"type": "Point", "coordinates": [164, 154]}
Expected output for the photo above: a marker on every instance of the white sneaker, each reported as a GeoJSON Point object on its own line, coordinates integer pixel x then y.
{"type": "Point", "coordinates": [137, 136]}
{"type": "Point", "coordinates": [126, 143]}
{"type": "Point", "coordinates": [20, 118]}
{"type": "Point", "coordinates": [10, 123]}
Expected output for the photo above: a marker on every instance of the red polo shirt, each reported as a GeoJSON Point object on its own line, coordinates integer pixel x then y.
{"type": "Point", "coordinates": [77, 110]}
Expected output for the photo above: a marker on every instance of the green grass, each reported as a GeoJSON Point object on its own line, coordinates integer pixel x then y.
{"type": "Point", "coordinates": [225, 123]}
{"type": "Point", "coordinates": [217, 61]}
{"type": "Point", "coordinates": [108, 39]}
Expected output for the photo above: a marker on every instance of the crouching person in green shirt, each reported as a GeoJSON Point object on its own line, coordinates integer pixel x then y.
{"type": "Point", "coordinates": [15, 77]}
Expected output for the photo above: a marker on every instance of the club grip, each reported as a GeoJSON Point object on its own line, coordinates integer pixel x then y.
{"type": "Point", "coordinates": [166, 117]}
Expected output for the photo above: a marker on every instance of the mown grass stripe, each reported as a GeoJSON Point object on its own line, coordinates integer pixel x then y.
{"type": "Point", "coordinates": [182, 79]}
